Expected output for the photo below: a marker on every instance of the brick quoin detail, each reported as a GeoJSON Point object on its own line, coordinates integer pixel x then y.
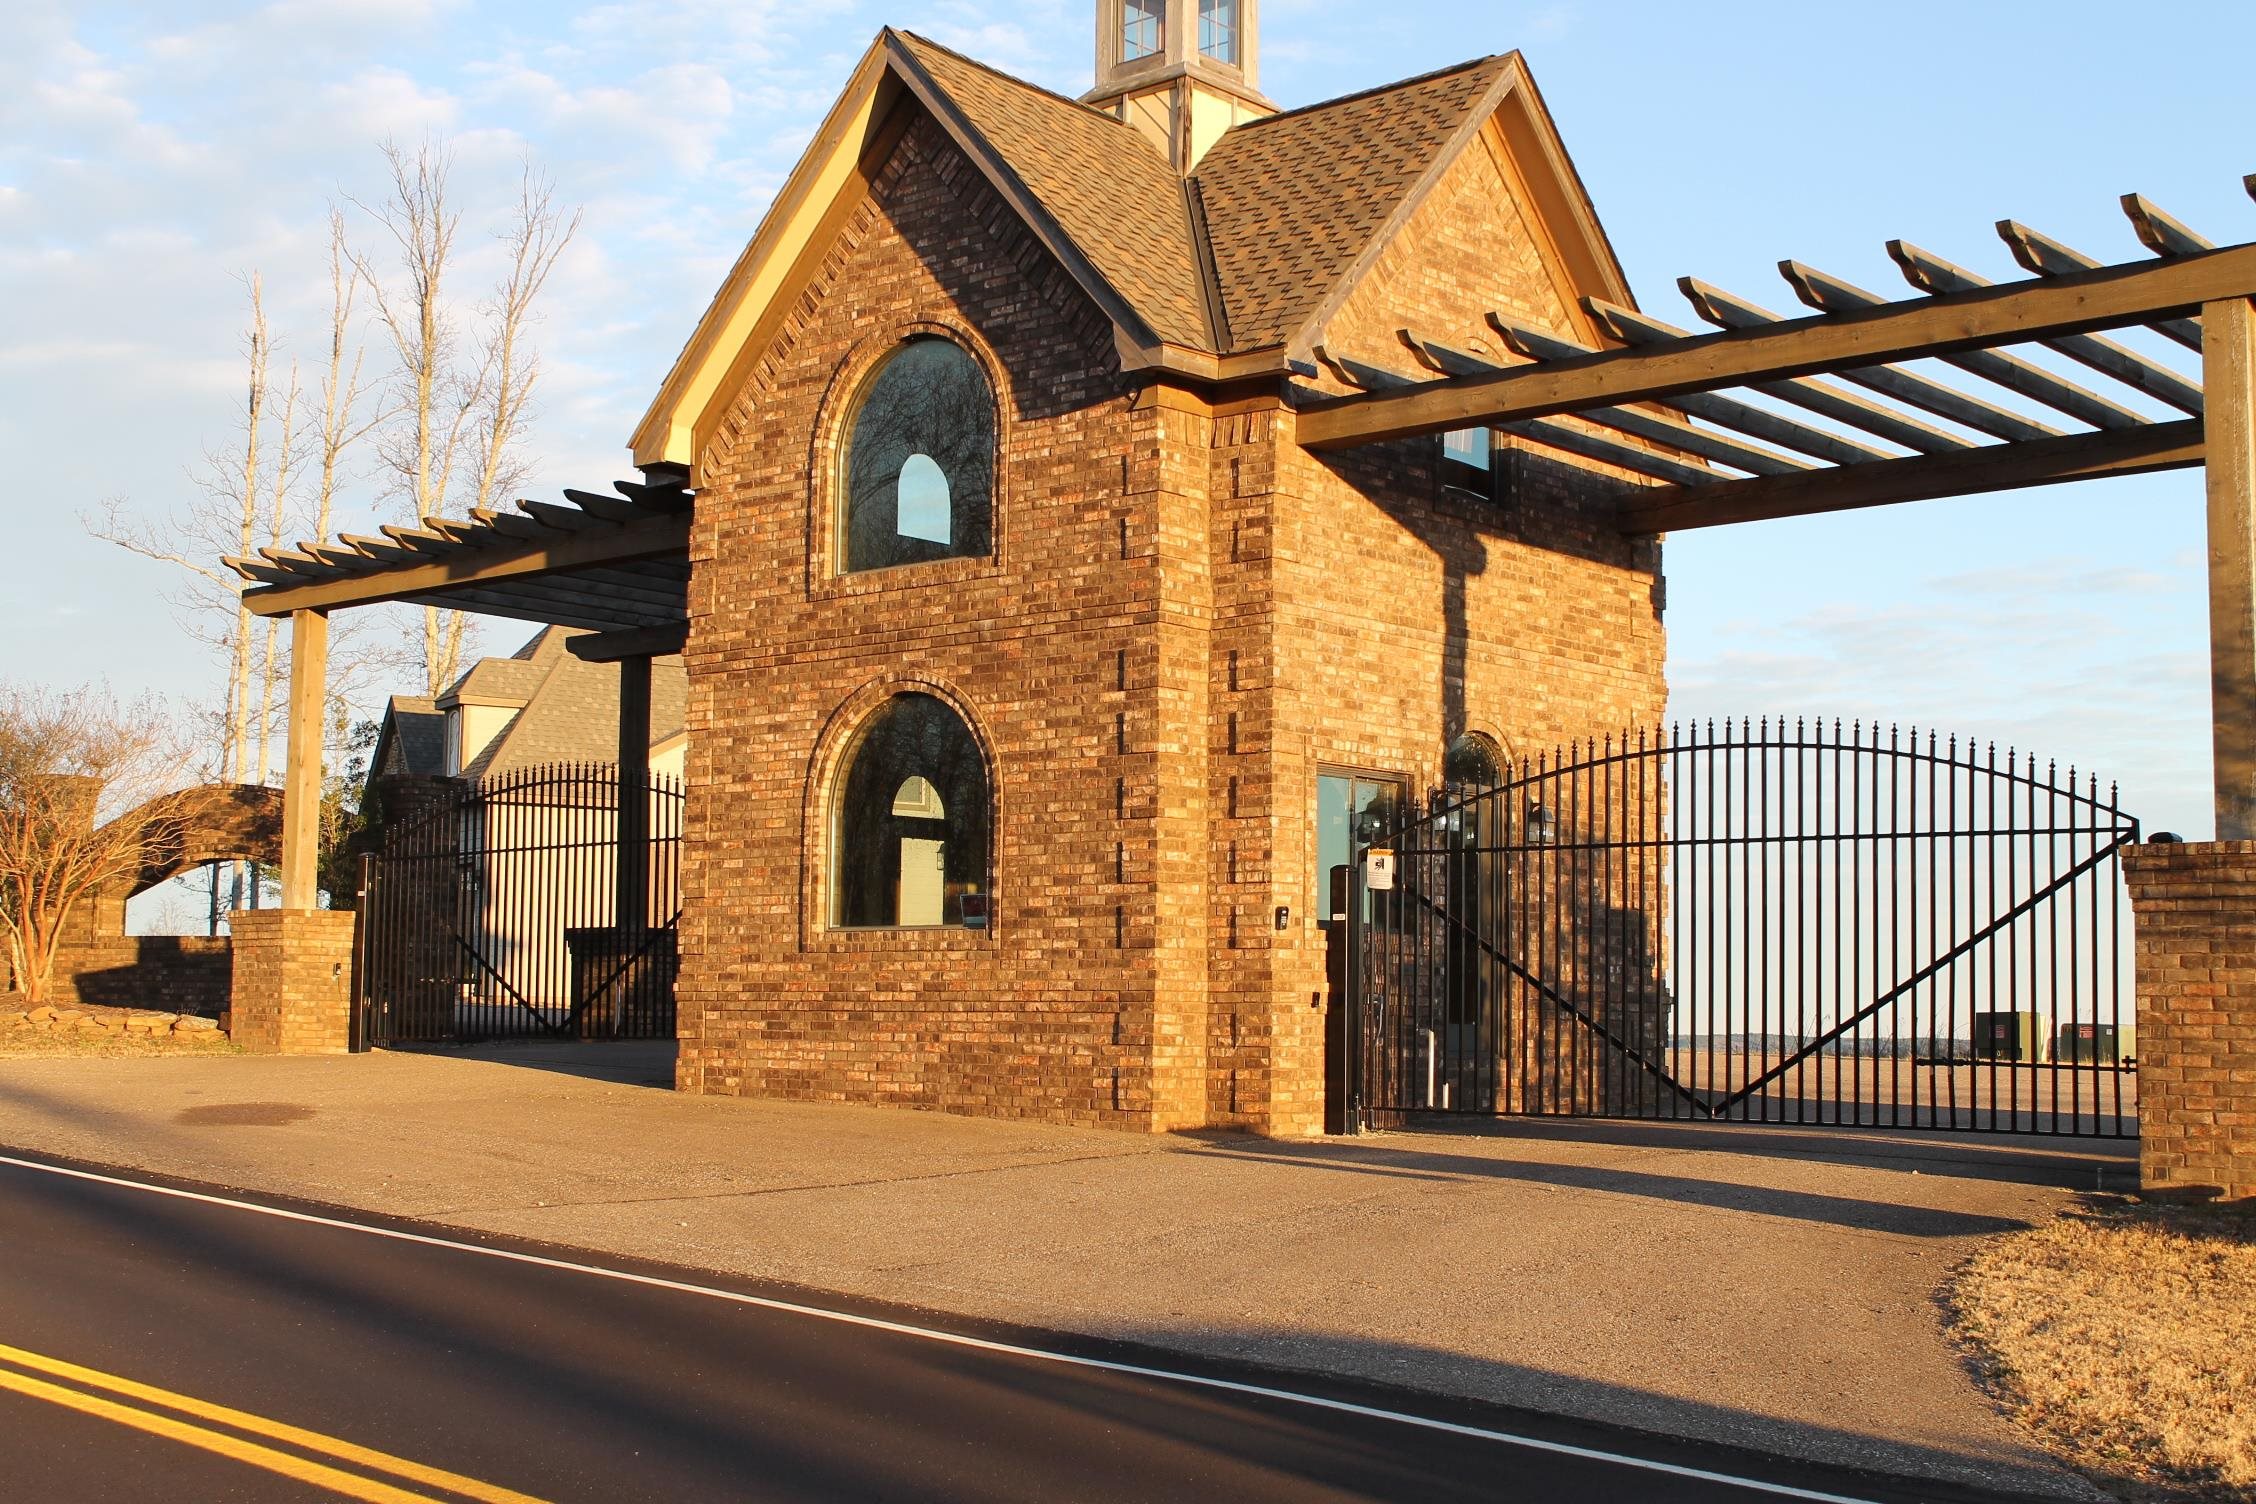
{"type": "Point", "coordinates": [1185, 618]}
{"type": "Point", "coordinates": [2195, 910]}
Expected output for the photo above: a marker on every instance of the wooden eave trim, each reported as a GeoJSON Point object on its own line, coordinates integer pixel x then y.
{"type": "Point", "coordinates": [884, 138]}
{"type": "Point", "coordinates": [1964, 472]}
{"type": "Point", "coordinates": [663, 436]}
{"type": "Point", "coordinates": [2010, 313]}
{"type": "Point", "coordinates": [1543, 142]}
{"type": "Point", "coordinates": [659, 538]}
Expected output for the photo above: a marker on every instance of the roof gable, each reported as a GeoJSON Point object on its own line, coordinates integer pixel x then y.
{"type": "Point", "coordinates": [1232, 271]}
{"type": "Point", "coordinates": [1302, 205]}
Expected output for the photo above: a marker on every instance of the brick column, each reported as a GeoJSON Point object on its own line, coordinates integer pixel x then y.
{"type": "Point", "coordinates": [293, 981]}
{"type": "Point", "coordinates": [2195, 917]}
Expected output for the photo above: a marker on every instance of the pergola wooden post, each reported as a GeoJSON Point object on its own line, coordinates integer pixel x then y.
{"type": "Point", "coordinates": [2228, 368]}
{"type": "Point", "coordinates": [301, 774]}
{"type": "Point", "coordinates": [632, 894]}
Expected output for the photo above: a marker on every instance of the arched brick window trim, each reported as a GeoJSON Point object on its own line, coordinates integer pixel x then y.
{"type": "Point", "coordinates": [833, 428]}
{"type": "Point", "coordinates": [828, 766]}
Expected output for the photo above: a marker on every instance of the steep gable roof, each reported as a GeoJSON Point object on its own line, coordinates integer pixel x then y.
{"type": "Point", "coordinates": [1097, 177]}
{"type": "Point", "coordinates": [1230, 271]}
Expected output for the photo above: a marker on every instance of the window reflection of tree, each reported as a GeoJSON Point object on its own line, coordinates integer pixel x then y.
{"type": "Point", "coordinates": [910, 736]}
{"type": "Point", "coordinates": [929, 398]}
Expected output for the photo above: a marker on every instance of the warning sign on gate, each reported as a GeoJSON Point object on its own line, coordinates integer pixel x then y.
{"type": "Point", "coordinates": [1378, 869]}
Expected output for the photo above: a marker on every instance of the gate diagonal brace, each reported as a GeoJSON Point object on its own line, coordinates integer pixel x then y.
{"type": "Point", "coordinates": [518, 997]}
{"type": "Point", "coordinates": [1558, 999]}
{"type": "Point", "coordinates": [580, 1004]}
{"type": "Point", "coordinates": [1954, 954]}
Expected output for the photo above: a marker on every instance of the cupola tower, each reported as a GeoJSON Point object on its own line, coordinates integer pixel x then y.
{"type": "Point", "coordinates": [1180, 71]}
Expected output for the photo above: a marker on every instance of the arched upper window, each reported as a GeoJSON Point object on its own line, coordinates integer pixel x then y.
{"type": "Point", "coordinates": [911, 833]}
{"type": "Point", "coordinates": [1470, 763]}
{"type": "Point", "coordinates": [918, 479]}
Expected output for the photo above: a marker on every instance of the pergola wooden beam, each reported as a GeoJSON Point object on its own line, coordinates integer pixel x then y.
{"type": "Point", "coordinates": [1721, 448]}
{"type": "Point", "coordinates": [2159, 232]}
{"type": "Point", "coordinates": [1992, 467]}
{"type": "Point", "coordinates": [2080, 303]}
{"type": "Point", "coordinates": [2047, 257]}
{"type": "Point", "coordinates": [1564, 437]}
{"type": "Point", "coordinates": [528, 558]}
{"type": "Point", "coordinates": [630, 642]}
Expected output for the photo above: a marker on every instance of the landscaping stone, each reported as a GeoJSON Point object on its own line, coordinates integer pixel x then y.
{"type": "Point", "coordinates": [41, 1014]}
{"type": "Point", "coordinates": [189, 1023]}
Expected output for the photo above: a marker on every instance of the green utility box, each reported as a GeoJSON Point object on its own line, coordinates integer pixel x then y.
{"type": "Point", "coordinates": [2097, 1044]}
{"type": "Point", "coordinates": [2009, 1036]}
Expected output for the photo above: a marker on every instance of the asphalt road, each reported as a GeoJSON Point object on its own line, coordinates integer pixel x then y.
{"type": "Point", "coordinates": [169, 1346]}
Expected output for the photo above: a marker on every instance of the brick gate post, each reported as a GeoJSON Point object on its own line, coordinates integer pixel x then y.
{"type": "Point", "coordinates": [2194, 917]}
{"type": "Point", "coordinates": [293, 981]}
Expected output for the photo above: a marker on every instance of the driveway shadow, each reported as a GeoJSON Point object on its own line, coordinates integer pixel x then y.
{"type": "Point", "coordinates": [624, 1062]}
{"type": "Point", "coordinates": [1435, 1157]}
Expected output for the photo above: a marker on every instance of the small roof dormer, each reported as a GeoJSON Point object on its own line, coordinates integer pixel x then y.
{"type": "Point", "coordinates": [1180, 71]}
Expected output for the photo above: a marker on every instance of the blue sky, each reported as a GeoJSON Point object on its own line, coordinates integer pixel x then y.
{"type": "Point", "coordinates": [151, 156]}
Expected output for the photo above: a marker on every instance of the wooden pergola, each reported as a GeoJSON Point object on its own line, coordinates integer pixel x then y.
{"type": "Point", "coordinates": [1719, 425]}
{"type": "Point", "coordinates": [1714, 421]}
{"type": "Point", "coordinates": [615, 565]}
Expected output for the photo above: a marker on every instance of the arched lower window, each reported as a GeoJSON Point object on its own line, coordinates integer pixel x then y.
{"type": "Point", "coordinates": [918, 478]}
{"type": "Point", "coordinates": [1470, 763]}
{"type": "Point", "coordinates": [910, 837]}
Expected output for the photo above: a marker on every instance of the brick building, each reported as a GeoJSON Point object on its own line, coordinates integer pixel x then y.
{"type": "Point", "coordinates": [1035, 671]}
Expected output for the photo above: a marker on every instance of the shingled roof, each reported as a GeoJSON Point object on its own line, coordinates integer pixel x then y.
{"type": "Point", "coordinates": [1239, 262]}
{"type": "Point", "coordinates": [1098, 177]}
{"type": "Point", "coordinates": [566, 710]}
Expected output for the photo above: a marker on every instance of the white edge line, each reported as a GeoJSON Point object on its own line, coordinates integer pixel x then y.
{"type": "Point", "coordinates": [957, 1339]}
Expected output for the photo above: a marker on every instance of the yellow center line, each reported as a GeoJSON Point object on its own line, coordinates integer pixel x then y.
{"type": "Point", "coordinates": [350, 1484]}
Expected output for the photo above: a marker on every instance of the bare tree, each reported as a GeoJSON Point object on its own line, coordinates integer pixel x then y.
{"type": "Point", "coordinates": [224, 518]}
{"type": "Point", "coordinates": [462, 401]}
{"type": "Point", "coordinates": [88, 788]}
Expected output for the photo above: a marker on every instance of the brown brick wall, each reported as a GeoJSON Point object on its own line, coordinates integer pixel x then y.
{"type": "Point", "coordinates": [293, 980]}
{"type": "Point", "coordinates": [1185, 617]}
{"type": "Point", "coordinates": [2195, 913]}
{"type": "Point", "coordinates": [1048, 649]}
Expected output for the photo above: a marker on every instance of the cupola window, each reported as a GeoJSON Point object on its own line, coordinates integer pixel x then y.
{"type": "Point", "coordinates": [1218, 30]}
{"type": "Point", "coordinates": [1143, 29]}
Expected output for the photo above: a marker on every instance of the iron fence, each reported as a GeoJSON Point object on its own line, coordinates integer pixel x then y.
{"type": "Point", "coordinates": [492, 912]}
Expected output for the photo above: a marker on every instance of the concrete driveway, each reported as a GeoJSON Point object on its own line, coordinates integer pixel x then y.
{"type": "Point", "coordinates": [1770, 1287]}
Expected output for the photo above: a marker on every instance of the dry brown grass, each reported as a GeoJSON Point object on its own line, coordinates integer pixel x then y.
{"type": "Point", "coordinates": [105, 1044]}
{"type": "Point", "coordinates": [2126, 1336]}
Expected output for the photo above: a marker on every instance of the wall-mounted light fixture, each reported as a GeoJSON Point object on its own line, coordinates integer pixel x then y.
{"type": "Point", "coordinates": [1542, 824]}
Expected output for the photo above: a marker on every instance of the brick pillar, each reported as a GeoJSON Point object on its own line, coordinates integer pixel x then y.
{"type": "Point", "coordinates": [2195, 918]}
{"type": "Point", "coordinates": [293, 981]}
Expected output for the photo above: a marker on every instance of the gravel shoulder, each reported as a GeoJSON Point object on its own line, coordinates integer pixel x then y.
{"type": "Point", "coordinates": [2125, 1336]}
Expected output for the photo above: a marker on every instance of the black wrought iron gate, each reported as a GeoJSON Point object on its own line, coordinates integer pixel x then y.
{"type": "Point", "coordinates": [492, 912]}
{"type": "Point", "coordinates": [1754, 923]}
